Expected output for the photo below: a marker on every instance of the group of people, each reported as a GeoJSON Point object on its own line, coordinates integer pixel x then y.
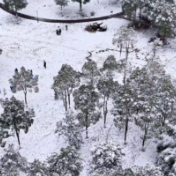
{"type": "Point", "coordinates": [58, 31]}
{"type": "Point", "coordinates": [16, 70]}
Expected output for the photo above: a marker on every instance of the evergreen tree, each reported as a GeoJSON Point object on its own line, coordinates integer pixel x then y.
{"type": "Point", "coordinates": [15, 4]}
{"type": "Point", "coordinates": [167, 157]}
{"type": "Point", "coordinates": [123, 100]}
{"type": "Point", "coordinates": [12, 163]}
{"type": "Point", "coordinates": [90, 73]}
{"type": "Point", "coordinates": [130, 8]}
{"type": "Point", "coordinates": [15, 118]}
{"type": "Point", "coordinates": [71, 129]}
{"type": "Point", "coordinates": [37, 168]}
{"type": "Point", "coordinates": [64, 83]}
{"type": "Point", "coordinates": [106, 87]}
{"type": "Point", "coordinates": [24, 80]}
{"type": "Point", "coordinates": [125, 41]}
{"type": "Point", "coordinates": [106, 160]}
{"type": "Point", "coordinates": [81, 2]}
{"type": "Point", "coordinates": [110, 63]}
{"type": "Point", "coordinates": [62, 3]}
{"type": "Point", "coordinates": [154, 96]}
{"type": "Point", "coordinates": [86, 100]}
{"type": "Point", "coordinates": [162, 15]}
{"type": "Point", "coordinates": [67, 163]}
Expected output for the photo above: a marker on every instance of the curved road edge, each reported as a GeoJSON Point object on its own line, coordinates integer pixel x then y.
{"type": "Point", "coordinates": [117, 15]}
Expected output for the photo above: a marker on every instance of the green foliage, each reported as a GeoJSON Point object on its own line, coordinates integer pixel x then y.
{"type": "Point", "coordinates": [81, 2]}
{"type": "Point", "coordinates": [11, 163]}
{"type": "Point", "coordinates": [15, 4]}
{"type": "Point", "coordinates": [110, 63]}
{"type": "Point", "coordinates": [37, 168]}
{"type": "Point", "coordinates": [86, 100]}
{"type": "Point", "coordinates": [106, 160]}
{"type": "Point", "coordinates": [71, 129]}
{"type": "Point", "coordinates": [15, 117]}
{"type": "Point", "coordinates": [24, 81]}
{"type": "Point", "coordinates": [67, 163]}
{"type": "Point", "coordinates": [62, 3]}
{"type": "Point", "coordinates": [90, 73]}
{"type": "Point", "coordinates": [64, 83]}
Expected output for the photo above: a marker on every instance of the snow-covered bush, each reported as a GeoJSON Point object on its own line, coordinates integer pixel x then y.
{"type": "Point", "coordinates": [167, 157]}
{"type": "Point", "coordinates": [67, 163]}
{"type": "Point", "coordinates": [106, 160]}
{"type": "Point", "coordinates": [148, 170]}
{"type": "Point", "coordinates": [12, 163]}
{"type": "Point", "coordinates": [37, 168]}
{"type": "Point", "coordinates": [71, 129]}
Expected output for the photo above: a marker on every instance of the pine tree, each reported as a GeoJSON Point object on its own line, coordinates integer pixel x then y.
{"type": "Point", "coordinates": [154, 96]}
{"type": "Point", "coordinates": [110, 63]}
{"type": "Point", "coordinates": [90, 73]}
{"type": "Point", "coordinates": [106, 160]}
{"type": "Point", "coordinates": [62, 3]}
{"type": "Point", "coordinates": [15, 4]}
{"type": "Point", "coordinates": [37, 168]}
{"type": "Point", "coordinates": [25, 81]}
{"type": "Point", "coordinates": [81, 2]}
{"type": "Point", "coordinates": [162, 15]}
{"type": "Point", "coordinates": [15, 118]}
{"type": "Point", "coordinates": [106, 87]}
{"type": "Point", "coordinates": [130, 8]}
{"type": "Point", "coordinates": [71, 129]}
{"type": "Point", "coordinates": [86, 100]}
{"type": "Point", "coordinates": [123, 100]}
{"type": "Point", "coordinates": [125, 41]}
{"type": "Point", "coordinates": [64, 83]}
{"type": "Point", "coordinates": [12, 163]}
{"type": "Point", "coordinates": [67, 163]}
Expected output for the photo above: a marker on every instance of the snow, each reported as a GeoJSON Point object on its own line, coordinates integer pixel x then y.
{"type": "Point", "coordinates": [29, 43]}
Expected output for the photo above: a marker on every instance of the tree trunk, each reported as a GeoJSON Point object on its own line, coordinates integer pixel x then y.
{"type": "Point", "coordinates": [80, 5]}
{"type": "Point", "coordinates": [87, 125]}
{"type": "Point", "coordinates": [25, 94]}
{"type": "Point", "coordinates": [105, 111]}
{"type": "Point", "coordinates": [126, 129]}
{"type": "Point", "coordinates": [126, 61]}
{"type": "Point", "coordinates": [16, 131]}
{"type": "Point", "coordinates": [69, 99]}
{"type": "Point", "coordinates": [65, 100]}
{"type": "Point", "coordinates": [145, 136]}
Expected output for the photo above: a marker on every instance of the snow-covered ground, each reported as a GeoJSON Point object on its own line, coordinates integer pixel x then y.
{"type": "Point", "coordinates": [29, 43]}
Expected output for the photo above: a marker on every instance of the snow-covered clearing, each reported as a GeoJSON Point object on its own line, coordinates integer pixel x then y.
{"type": "Point", "coordinates": [29, 43]}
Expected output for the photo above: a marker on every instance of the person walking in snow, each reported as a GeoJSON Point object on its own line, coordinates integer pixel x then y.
{"type": "Point", "coordinates": [4, 90]}
{"type": "Point", "coordinates": [44, 64]}
{"type": "Point", "coordinates": [66, 27]}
